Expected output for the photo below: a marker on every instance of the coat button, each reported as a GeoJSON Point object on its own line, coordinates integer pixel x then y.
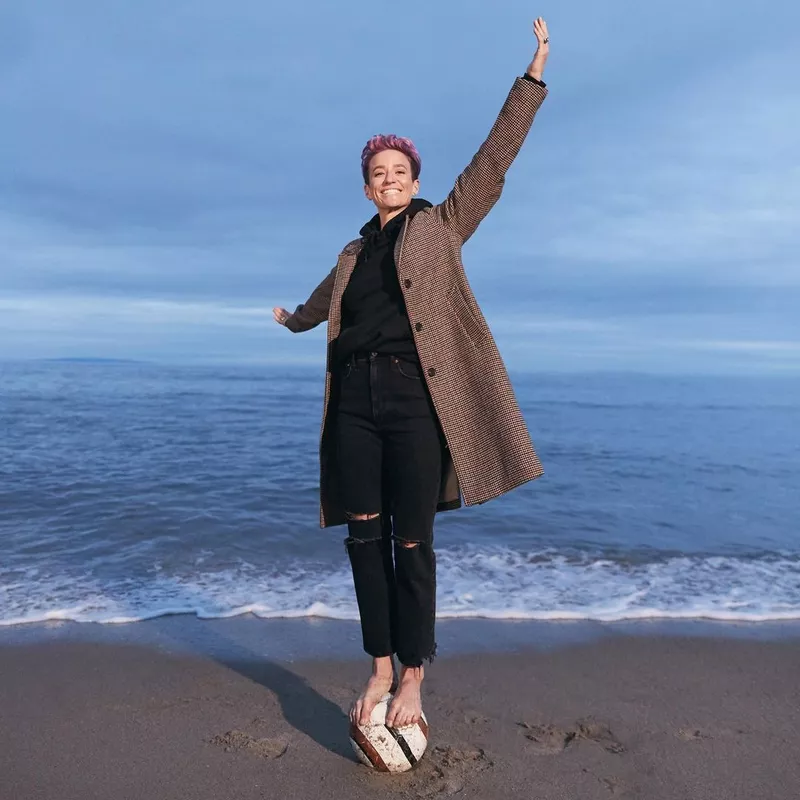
{"type": "Point", "coordinates": [418, 326]}
{"type": "Point", "coordinates": [407, 283]}
{"type": "Point", "coordinates": [431, 372]}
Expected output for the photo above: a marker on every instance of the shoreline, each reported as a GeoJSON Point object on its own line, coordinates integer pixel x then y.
{"type": "Point", "coordinates": [315, 638]}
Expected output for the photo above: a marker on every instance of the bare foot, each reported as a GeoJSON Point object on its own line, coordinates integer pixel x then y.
{"type": "Point", "coordinates": [406, 706]}
{"type": "Point", "coordinates": [381, 681]}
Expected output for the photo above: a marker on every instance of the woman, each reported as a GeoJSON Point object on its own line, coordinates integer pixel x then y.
{"type": "Point", "coordinates": [418, 407]}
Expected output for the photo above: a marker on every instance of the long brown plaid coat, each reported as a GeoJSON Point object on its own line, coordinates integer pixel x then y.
{"type": "Point", "coordinates": [489, 450]}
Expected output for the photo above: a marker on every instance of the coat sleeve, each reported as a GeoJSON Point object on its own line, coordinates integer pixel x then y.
{"type": "Point", "coordinates": [478, 187]}
{"type": "Point", "coordinates": [315, 310]}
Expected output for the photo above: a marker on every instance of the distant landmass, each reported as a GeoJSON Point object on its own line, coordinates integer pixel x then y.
{"type": "Point", "coordinates": [89, 360]}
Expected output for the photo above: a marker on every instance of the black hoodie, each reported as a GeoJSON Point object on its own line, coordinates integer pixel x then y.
{"type": "Point", "coordinates": [374, 316]}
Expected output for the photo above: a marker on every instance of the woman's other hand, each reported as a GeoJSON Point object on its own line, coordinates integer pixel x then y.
{"type": "Point", "coordinates": [536, 68]}
{"type": "Point", "coordinates": [280, 315]}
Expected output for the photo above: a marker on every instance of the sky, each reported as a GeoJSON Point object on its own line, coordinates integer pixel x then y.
{"type": "Point", "coordinates": [169, 172]}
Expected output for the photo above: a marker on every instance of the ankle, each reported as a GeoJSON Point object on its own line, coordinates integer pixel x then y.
{"type": "Point", "coordinates": [415, 674]}
{"type": "Point", "coordinates": [383, 668]}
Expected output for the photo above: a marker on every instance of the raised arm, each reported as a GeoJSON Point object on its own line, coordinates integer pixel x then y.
{"type": "Point", "coordinates": [309, 314]}
{"type": "Point", "coordinates": [478, 187]}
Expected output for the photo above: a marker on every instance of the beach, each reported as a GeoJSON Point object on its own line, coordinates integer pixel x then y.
{"type": "Point", "coordinates": [186, 708]}
{"type": "Point", "coordinates": [175, 625]}
{"type": "Point", "coordinates": [605, 301]}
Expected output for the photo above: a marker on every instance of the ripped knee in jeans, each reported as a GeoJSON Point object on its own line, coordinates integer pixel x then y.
{"type": "Point", "coordinates": [408, 544]}
{"type": "Point", "coordinates": [352, 517]}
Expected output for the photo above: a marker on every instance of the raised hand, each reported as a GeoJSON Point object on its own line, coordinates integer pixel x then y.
{"type": "Point", "coordinates": [280, 315]}
{"type": "Point", "coordinates": [536, 68]}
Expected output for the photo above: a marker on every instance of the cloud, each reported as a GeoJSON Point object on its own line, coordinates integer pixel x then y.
{"type": "Point", "coordinates": [177, 172]}
{"type": "Point", "coordinates": [519, 323]}
{"type": "Point", "coordinates": [69, 310]}
{"type": "Point", "coordinates": [151, 329]}
{"type": "Point", "coordinates": [768, 348]}
{"type": "Point", "coordinates": [709, 185]}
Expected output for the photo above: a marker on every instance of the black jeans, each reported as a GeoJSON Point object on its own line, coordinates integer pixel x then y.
{"type": "Point", "coordinates": [389, 462]}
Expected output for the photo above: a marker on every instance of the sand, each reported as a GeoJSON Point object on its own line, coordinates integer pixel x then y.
{"type": "Point", "coordinates": [623, 716]}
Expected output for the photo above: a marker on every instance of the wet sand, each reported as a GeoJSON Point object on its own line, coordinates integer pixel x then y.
{"type": "Point", "coordinates": [621, 716]}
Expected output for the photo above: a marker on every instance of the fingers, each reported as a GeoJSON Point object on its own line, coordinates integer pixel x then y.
{"type": "Point", "coordinates": [540, 29]}
{"type": "Point", "coordinates": [280, 315]}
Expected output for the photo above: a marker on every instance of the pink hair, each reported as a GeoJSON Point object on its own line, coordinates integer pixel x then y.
{"type": "Point", "coordinates": [383, 141]}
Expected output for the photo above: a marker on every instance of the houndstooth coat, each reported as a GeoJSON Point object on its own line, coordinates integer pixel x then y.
{"type": "Point", "coordinates": [489, 450]}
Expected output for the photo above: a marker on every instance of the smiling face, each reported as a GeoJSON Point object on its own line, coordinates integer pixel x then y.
{"type": "Point", "coordinates": [391, 185]}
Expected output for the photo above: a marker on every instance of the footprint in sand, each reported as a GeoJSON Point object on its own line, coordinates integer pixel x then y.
{"type": "Point", "coordinates": [446, 770]}
{"type": "Point", "coordinates": [236, 741]}
{"type": "Point", "coordinates": [599, 732]}
{"type": "Point", "coordinates": [614, 785]}
{"type": "Point", "coordinates": [547, 740]}
{"type": "Point", "coordinates": [550, 740]}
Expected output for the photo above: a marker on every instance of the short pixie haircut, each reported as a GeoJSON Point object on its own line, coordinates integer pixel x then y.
{"type": "Point", "coordinates": [382, 141]}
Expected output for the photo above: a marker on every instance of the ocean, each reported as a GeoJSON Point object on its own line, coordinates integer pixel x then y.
{"type": "Point", "coordinates": [130, 491]}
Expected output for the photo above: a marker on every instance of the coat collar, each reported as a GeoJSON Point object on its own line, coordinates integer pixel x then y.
{"type": "Point", "coordinates": [392, 227]}
{"type": "Point", "coordinates": [353, 249]}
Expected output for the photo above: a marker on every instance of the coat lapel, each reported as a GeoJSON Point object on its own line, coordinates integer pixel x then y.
{"type": "Point", "coordinates": [347, 263]}
{"type": "Point", "coordinates": [399, 244]}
